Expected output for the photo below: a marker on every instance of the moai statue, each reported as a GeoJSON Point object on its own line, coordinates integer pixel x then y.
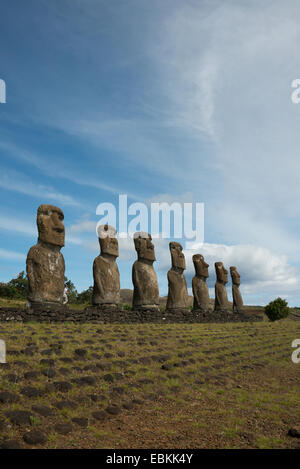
{"type": "Point", "coordinates": [200, 288]}
{"type": "Point", "coordinates": [177, 292]}
{"type": "Point", "coordinates": [221, 299]}
{"type": "Point", "coordinates": [105, 270]}
{"type": "Point", "coordinates": [237, 300]}
{"type": "Point", "coordinates": [145, 293]}
{"type": "Point", "coordinates": [45, 263]}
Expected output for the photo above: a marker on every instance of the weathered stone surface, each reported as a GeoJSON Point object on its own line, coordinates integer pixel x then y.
{"type": "Point", "coordinates": [10, 444]}
{"type": "Point", "coordinates": [200, 288]}
{"type": "Point", "coordinates": [177, 287]}
{"type": "Point", "coordinates": [34, 437]}
{"type": "Point", "coordinates": [45, 264]}
{"type": "Point", "coordinates": [146, 292]}
{"type": "Point", "coordinates": [294, 432]}
{"type": "Point", "coordinates": [105, 270]}
{"type": "Point", "coordinates": [221, 299]}
{"type": "Point", "coordinates": [107, 316]}
{"type": "Point", "coordinates": [237, 303]}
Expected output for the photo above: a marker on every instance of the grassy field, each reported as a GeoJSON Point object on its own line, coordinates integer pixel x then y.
{"type": "Point", "coordinates": [149, 386]}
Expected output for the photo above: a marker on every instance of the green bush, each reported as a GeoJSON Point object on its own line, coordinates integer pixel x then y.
{"type": "Point", "coordinates": [16, 288]}
{"type": "Point", "coordinates": [277, 309]}
{"type": "Point", "coordinates": [85, 296]}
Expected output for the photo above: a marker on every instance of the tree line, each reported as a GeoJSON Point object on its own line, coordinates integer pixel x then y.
{"type": "Point", "coordinates": [17, 288]}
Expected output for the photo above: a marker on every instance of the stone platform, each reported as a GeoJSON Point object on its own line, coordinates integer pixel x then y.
{"type": "Point", "coordinates": [113, 315]}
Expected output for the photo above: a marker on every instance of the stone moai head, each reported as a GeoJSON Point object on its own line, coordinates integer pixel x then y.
{"type": "Point", "coordinates": [221, 272]}
{"type": "Point", "coordinates": [201, 267]}
{"type": "Point", "coordinates": [108, 241]}
{"type": "Point", "coordinates": [50, 225]}
{"type": "Point", "coordinates": [144, 246]}
{"type": "Point", "coordinates": [177, 256]}
{"type": "Point", "coordinates": [235, 276]}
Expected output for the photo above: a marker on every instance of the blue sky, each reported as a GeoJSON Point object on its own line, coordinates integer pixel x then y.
{"type": "Point", "coordinates": [161, 100]}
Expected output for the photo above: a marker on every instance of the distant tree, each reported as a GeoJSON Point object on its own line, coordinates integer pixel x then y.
{"type": "Point", "coordinates": [8, 291]}
{"type": "Point", "coordinates": [85, 296]}
{"type": "Point", "coordinates": [20, 284]}
{"type": "Point", "coordinates": [277, 309]}
{"type": "Point", "coordinates": [72, 292]}
{"type": "Point", "coordinates": [15, 288]}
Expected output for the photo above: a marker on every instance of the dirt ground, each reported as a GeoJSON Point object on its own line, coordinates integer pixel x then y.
{"type": "Point", "coordinates": [149, 386]}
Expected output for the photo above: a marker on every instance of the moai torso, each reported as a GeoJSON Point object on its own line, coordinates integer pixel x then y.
{"type": "Point", "coordinates": [177, 292]}
{"type": "Point", "coordinates": [144, 278]}
{"type": "Point", "coordinates": [45, 264]}
{"type": "Point", "coordinates": [146, 292]}
{"type": "Point", "coordinates": [105, 270]}
{"type": "Point", "coordinates": [200, 288]}
{"type": "Point", "coordinates": [177, 287]}
{"type": "Point", "coordinates": [237, 300]}
{"type": "Point", "coordinates": [221, 299]}
{"type": "Point", "coordinates": [46, 274]}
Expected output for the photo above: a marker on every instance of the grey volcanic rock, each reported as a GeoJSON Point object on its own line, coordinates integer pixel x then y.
{"type": "Point", "coordinates": [221, 299]}
{"type": "Point", "coordinates": [200, 288]}
{"type": "Point", "coordinates": [105, 270]}
{"type": "Point", "coordinates": [144, 279]}
{"type": "Point", "coordinates": [237, 304]}
{"type": "Point", "coordinates": [177, 287]}
{"type": "Point", "coordinates": [45, 264]}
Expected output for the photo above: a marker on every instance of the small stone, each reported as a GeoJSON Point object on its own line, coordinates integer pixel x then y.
{"type": "Point", "coordinates": [47, 361]}
{"type": "Point", "coordinates": [29, 391]}
{"type": "Point", "coordinates": [8, 398]}
{"type": "Point", "coordinates": [99, 415]}
{"type": "Point", "coordinates": [31, 375]}
{"type": "Point", "coordinates": [166, 366]}
{"type": "Point", "coordinates": [63, 428]}
{"type": "Point", "coordinates": [81, 422]}
{"type": "Point", "coordinates": [128, 405]}
{"type": "Point", "coordinates": [19, 417]}
{"type": "Point", "coordinates": [113, 410]}
{"type": "Point", "coordinates": [10, 444]}
{"type": "Point", "coordinates": [11, 377]}
{"type": "Point", "coordinates": [42, 410]}
{"type": "Point", "coordinates": [137, 401]}
{"type": "Point", "coordinates": [49, 372]}
{"type": "Point", "coordinates": [62, 386]}
{"type": "Point", "coordinates": [66, 404]}
{"type": "Point", "coordinates": [109, 378]}
{"type": "Point", "coordinates": [294, 432]}
{"type": "Point", "coordinates": [90, 380]}
{"type": "Point", "coordinates": [80, 352]}
{"type": "Point", "coordinates": [34, 437]}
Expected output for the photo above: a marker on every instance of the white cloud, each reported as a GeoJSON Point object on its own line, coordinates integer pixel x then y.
{"type": "Point", "coordinates": [14, 181]}
{"type": "Point", "coordinates": [263, 272]}
{"type": "Point", "coordinates": [59, 168]}
{"type": "Point", "coordinates": [82, 226]}
{"type": "Point", "coordinates": [17, 225]}
{"type": "Point", "coordinates": [11, 255]}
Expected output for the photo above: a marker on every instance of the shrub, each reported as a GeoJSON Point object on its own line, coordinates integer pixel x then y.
{"type": "Point", "coordinates": [16, 288]}
{"type": "Point", "coordinates": [277, 309]}
{"type": "Point", "coordinates": [85, 296]}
